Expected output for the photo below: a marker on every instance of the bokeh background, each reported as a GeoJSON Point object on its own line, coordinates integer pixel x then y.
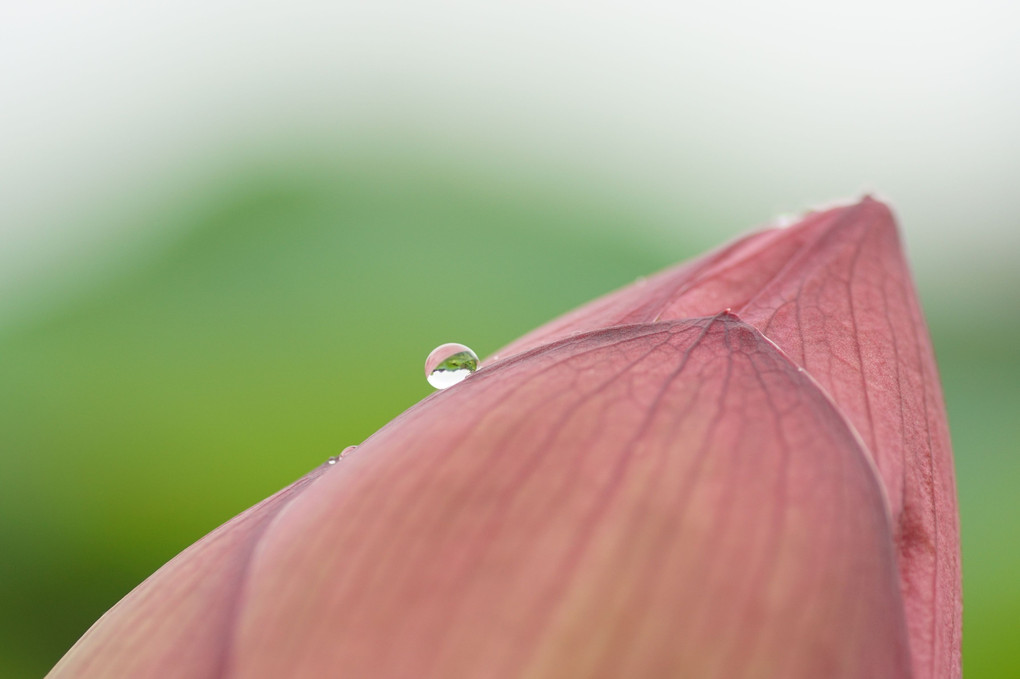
{"type": "Point", "coordinates": [231, 231]}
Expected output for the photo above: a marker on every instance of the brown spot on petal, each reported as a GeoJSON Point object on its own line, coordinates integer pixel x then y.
{"type": "Point", "coordinates": [845, 309]}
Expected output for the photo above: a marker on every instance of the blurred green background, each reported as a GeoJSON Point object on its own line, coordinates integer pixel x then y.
{"type": "Point", "coordinates": [230, 233]}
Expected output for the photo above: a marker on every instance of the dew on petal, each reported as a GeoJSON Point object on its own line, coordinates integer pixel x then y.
{"type": "Point", "coordinates": [336, 458]}
{"type": "Point", "coordinates": [784, 220]}
{"type": "Point", "coordinates": [449, 364]}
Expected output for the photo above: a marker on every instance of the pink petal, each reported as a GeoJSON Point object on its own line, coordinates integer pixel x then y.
{"type": "Point", "coordinates": [667, 499]}
{"type": "Point", "coordinates": [845, 309]}
{"type": "Point", "coordinates": [835, 293]}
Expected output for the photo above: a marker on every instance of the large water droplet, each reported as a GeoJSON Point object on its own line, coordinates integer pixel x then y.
{"type": "Point", "coordinates": [449, 364]}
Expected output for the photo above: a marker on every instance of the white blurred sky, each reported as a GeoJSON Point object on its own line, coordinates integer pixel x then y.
{"type": "Point", "coordinates": [746, 108]}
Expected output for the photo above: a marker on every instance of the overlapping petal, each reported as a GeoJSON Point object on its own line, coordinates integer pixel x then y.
{"type": "Point", "coordinates": [835, 293]}
{"type": "Point", "coordinates": [650, 486]}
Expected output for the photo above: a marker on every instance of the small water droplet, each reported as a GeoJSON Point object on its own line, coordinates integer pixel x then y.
{"type": "Point", "coordinates": [788, 219]}
{"type": "Point", "coordinates": [344, 453]}
{"type": "Point", "coordinates": [449, 364]}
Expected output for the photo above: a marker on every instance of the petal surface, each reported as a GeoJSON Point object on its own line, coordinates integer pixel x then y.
{"type": "Point", "coordinates": [836, 294]}
{"type": "Point", "coordinates": [845, 309]}
{"type": "Point", "coordinates": [657, 500]}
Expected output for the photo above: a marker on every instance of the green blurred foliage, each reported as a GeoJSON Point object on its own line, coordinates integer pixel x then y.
{"type": "Point", "coordinates": [979, 367]}
{"type": "Point", "coordinates": [290, 318]}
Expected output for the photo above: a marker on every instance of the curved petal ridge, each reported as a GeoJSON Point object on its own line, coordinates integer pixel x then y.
{"type": "Point", "coordinates": [835, 293]}
{"type": "Point", "coordinates": [684, 500]}
{"type": "Point", "coordinates": [845, 309]}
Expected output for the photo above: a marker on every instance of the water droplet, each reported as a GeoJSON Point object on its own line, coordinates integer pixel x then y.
{"type": "Point", "coordinates": [344, 453]}
{"type": "Point", "coordinates": [788, 219]}
{"type": "Point", "coordinates": [449, 364]}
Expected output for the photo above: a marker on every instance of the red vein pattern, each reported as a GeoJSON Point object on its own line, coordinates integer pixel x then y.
{"type": "Point", "coordinates": [835, 293]}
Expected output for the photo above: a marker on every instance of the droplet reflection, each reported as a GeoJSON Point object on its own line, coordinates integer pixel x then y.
{"type": "Point", "coordinates": [449, 364]}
